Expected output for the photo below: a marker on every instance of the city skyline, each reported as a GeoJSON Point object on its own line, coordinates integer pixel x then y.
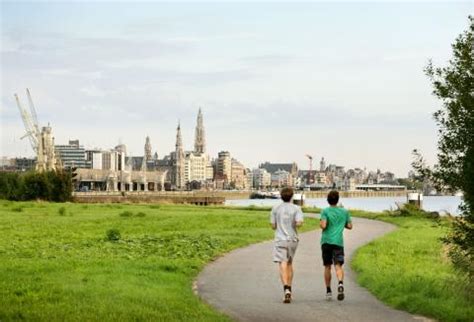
{"type": "Point", "coordinates": [269, 80]}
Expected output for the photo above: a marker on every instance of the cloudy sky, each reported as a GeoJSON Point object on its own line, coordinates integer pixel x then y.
{"type": "Point", "coordinates": [275, 81]}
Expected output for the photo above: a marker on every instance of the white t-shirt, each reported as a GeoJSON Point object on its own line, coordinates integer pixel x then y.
{"type": "Point", "coordinates": [285, 216]}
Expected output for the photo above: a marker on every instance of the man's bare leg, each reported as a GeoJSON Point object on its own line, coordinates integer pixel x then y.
{"type": "Point", "coordinates": [339, 272]}
{"type": "Point", "coordinates": [327, 280]}
{"type": "Point", "coordinates": [286, 275]}
{"type": "Point", "coordinates": [340, 278]}
{"type": "Point", "coordinates": [290, 273]}
{"type": "Point", "coordinates": [327, 275]}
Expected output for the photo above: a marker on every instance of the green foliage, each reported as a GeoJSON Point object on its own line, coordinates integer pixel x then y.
{"type": "Point", "coordinates": [311, 209]}
{"type": "Point", "coordinates": [410, 210]}
{"type": "Point", "coordinates": [411, 184]}
{"type": "Point", "coordinates": [406, 210]}
{"type": "Point", "coordinates": [50, 185]}
{"type": "Point", "coordinates": [112, 235]}
{"type": "Point", "coordinates": [408, 270]}
{"type": "Point", "coordinates": [62, 211]}
{"type": "Point", "coordinates": [126, 213]}
{"type": "Point", "coordinates": [17, 209]}
{"type": "Point", "coordinates": [11, 184]}
{"type": "Point", "coordinates": [55, 268]}
{"type": "Point", "coordinates": [453, 86]}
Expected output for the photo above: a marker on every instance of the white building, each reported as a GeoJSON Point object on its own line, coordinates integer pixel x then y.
{"type": "Point", "coordinates": [261, 178]}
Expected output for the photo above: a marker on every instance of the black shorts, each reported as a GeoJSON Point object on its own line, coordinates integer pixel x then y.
{"type": "Point", "coordinates": [332, 254]}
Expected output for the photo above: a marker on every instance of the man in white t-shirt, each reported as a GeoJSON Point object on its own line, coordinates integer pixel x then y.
{"type": "Point", "coordinates": [285, 218]}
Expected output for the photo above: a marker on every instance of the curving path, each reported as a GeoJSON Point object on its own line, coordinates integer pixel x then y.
{"type": "Point", "coordinates": [244, 284]}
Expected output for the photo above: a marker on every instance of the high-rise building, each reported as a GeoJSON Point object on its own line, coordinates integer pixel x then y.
{"type": "Point", "coordinates": [72, 154]}
{"type": "Point", "coordinates": [93, 159]}
{"type": "Point", "coordinates": [238, 175]}
{"type": "Point", "coordinates": [200, 136]}
{"type": "Point", "coordinates": [224, 166]}
{"type": "Point", "coordinates": [196, 167]}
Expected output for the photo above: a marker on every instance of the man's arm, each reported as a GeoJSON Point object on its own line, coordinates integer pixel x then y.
{"type": "Point", "coordinates": [273, 220]}
{"type": "Point", "coordinates": [323, 224]}
{"type": "Point", "coordinates": [299, 218]}
{"type": "Point", "coordinates": [323, 221]}
{"type": "Point", "coordinates": [349, 221]}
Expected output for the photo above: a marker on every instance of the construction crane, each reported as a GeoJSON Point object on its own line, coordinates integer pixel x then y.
{"type": "Point", "coordinates": [310, 176]}
{"type": "Point", "coordinates": [30, 121]}
{"type": "Point", "coordinates": [33, 111]}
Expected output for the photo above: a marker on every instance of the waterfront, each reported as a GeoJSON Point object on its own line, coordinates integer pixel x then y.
{"type": "Point", "coordinates": [430, 203]}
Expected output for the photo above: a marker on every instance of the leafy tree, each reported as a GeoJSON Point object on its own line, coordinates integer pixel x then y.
{"type": "Point", "coordinates": [10, 185]}
{"type": "Point", "coordinates": [61, 187]}
{"type": "Point", "coordinates": [36, 186]}
{"type": "Point", "coordinates": [50, 185]}
{"type": "Point", "coordinates": [453, 85]}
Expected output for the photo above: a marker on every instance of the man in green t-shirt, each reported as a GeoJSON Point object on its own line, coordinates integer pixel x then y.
{"type": "Point", "coordinates": [333, 221]}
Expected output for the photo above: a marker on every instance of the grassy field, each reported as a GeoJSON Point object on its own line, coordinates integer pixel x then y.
{"type": "Point", "coordinates": [408, 269]}
{"type": "Point", "coordinates": [116, 262]}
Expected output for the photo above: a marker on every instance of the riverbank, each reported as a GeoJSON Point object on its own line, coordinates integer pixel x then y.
{"type": "Point", "coordinates": [409, 269]}
{"type": "Point", "coordinates": [68, 261]}
{"type": "Point", "coordinates": [109, 262]}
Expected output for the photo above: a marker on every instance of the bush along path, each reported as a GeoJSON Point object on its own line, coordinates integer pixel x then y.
{"type": "Point", "coordinates": [244, 284]}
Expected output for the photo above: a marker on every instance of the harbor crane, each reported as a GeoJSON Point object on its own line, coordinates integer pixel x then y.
{"type": "Point", "coordinates": [30, 121]}
{"type": "Point", "coordinates": [310, 173]}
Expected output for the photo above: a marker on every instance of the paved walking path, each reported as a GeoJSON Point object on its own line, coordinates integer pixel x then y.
{"type": "Point", "coordinates": [245, 285]}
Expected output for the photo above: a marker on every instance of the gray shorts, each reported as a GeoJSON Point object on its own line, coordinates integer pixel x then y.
{"type": "Point", "coordinates": [284, 251]}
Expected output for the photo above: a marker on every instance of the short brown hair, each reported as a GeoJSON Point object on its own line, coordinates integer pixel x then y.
{"type": "Point", "coordinates": [333, 197]}
{"type": "Point", "coordinates": [286, 194]}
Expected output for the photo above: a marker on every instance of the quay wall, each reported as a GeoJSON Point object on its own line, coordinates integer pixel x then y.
{"type": "Point", "coordinates": [205, 197]}
{"type": "Point", "coordinates": [147, 197]}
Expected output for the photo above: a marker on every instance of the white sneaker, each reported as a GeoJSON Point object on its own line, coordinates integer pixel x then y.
{"type": "Point", "coordinates": [328, 296]}
{"type": "Point", "coordinates": [287, 298]}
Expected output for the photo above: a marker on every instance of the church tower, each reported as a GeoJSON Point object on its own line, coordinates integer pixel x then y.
{"type": "Point", "coordinates": [200, 139]}
{"type": "Point", "coordinates": [179, 179]}
{"type": "Point", "coordinates": [148, 149]}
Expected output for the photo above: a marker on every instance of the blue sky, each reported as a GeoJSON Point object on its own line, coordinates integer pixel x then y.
{"type": "Point", "coordinates": [275, 81]}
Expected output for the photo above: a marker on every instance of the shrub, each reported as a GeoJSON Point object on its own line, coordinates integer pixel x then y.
{"type": "Point", "coordinates": [62, 211]}
{"type": "Point", "coordinates": [126, 213]}
{"type": "Point", "coordinates": [112, 235]}
{"type": "Point", "coordinates": [49, 185]}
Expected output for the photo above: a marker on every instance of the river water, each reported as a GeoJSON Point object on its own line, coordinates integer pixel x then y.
{"type": "Point", "coordinates": [444, 204]}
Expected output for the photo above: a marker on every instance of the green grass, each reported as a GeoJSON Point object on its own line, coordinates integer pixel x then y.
{"type": "Point", "coordinates": [84, 262]}
{"type": "Point", "coordinates": [408, 269]}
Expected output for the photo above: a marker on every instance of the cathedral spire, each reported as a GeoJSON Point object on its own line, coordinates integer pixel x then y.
{"type": "Point", "coordinates": [200, 139]}
{"type": "Point", "coordinates": [179, 140]}
{"type": "Point", "coordinates": [179, 161]}
{"type": "Point", "coordinates": [147, 149]}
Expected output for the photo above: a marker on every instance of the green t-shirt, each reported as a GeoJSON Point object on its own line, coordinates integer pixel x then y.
{"type": "Point", "coordinates": [336, 219]}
